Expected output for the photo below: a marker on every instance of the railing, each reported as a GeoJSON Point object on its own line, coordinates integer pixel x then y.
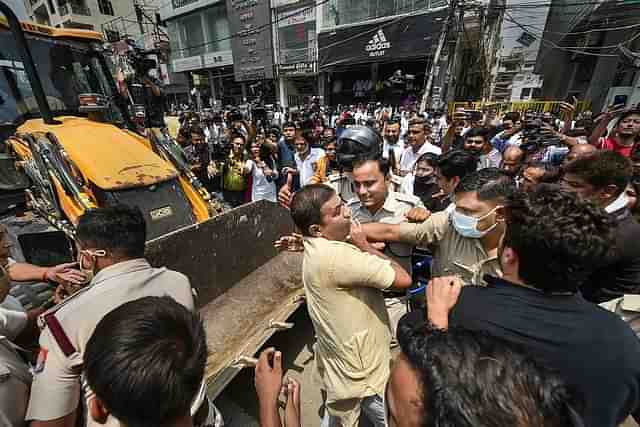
{"type": "Point", "coordinates": [503, 107]}
{"type": "Point", "coordinates": [77, 9]}
{"type": "Point", "coordinates": [292, 56]}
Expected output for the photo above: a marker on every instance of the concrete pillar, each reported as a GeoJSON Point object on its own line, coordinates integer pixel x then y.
{"type": "Point", "coordinates": [282, 92]}
{"type": "Point", "coordinates": [604, 71]}
{"type": "Point", "coordinates": [321, 88]}
{"type": "Point", "coordinates": [212, 85]}
{"type": "Point", "coordinates": [243, 88]}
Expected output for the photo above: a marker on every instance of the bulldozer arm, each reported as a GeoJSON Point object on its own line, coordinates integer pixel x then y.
{"type": "Point", "coordinates": [246, 290]}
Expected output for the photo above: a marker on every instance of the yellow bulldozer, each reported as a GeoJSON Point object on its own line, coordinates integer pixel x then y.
{"type": "Point", "coordinates": [67, 145]}
{"type": "Point", "coordinates": [70, 131]}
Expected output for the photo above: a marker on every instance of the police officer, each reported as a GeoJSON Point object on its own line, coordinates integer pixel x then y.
{"type": "Point", "coordinates": [110, 243]}
{"type": "Point", "coordinates": [375, 203]}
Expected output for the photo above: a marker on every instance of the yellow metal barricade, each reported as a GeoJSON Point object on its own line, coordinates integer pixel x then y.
{"type": "Point", "coordinates": [519, 106]}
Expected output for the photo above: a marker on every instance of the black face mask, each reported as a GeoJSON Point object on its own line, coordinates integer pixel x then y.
{"type": "Point", "coordinates": [425, 180]}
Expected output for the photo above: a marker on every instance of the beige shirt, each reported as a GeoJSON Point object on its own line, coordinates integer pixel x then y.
{"type": "Point", "coordinates": [453, 254]}
{"type": "Point", "coordinates": [57, 383]}
{"type": "Point", "coordinates": [342, 285]}
{"type": "Point", "coordinates": [15, 380]}
{"type": "Point", "coordinates": [396, 205]}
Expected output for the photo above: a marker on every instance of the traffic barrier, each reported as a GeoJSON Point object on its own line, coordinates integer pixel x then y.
{"type": "Point", "coordinates": [521, 106]}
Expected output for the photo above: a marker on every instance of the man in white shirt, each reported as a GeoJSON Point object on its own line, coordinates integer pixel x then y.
{"type": "Point", "coordinates": [307, 160]}
{"type": "Point", "coordinates": [392, 143]}
{"type": "Point", "coordinates": [418, 138]}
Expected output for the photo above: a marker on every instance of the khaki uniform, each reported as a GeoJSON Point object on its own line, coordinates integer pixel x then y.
{"type": "Point", "coordinates": [342, 285]}
{"type": "Point", "coordinates": [56, 388]}
{"type": "Point", "coordinates": [396, 205]}
{"type": "Point", "coordinates": [15, 380]}
{"type": "Point", "coordinates": [393, 211]}
{"type": "Point", "coordinates": [453, 254]}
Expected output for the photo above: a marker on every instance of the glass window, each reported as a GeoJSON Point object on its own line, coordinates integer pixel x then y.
{"type": "Point", "coordinates": [65, 68]}
{"type": "Point", "coordinates": [106, 8]}
{"type": "Point", "coordinates": [219, 32]}
{"type": "Point", "coordinates": [192, 35]}
{"type": "Point", "coordinates": [297, 43]}
{"type": "Point", "coordinates": [341, 12]}
{"type": "Point", "coordinates": [525, 93]}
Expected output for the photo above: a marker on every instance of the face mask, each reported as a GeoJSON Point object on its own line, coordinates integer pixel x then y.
{"type": "Point", "coordinates": [467, 225]}
{"type": "Point", "coordinates": [428, 179]}
{"type": "Point", "coordinates": [89, 273]}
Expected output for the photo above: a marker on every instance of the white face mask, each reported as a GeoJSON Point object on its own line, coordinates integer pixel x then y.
{"type": "Point", "coordinates": [89, 273]}
{"type": "Point", "coordinates": [467, 225]}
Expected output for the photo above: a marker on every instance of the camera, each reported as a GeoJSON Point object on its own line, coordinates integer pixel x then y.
{"type": "Point", "coordinates": [534, 135]}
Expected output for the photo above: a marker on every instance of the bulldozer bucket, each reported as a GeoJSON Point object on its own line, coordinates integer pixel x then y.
{"type": "Point", "coordinates": [246, 290]}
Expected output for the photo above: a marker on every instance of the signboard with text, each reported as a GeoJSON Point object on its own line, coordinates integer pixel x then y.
{"type": "Point", "coordinates": [249, 23]}
{"type": "Point", "coordinates": [298, 69]}
{"type": "Point", "coordinates": [414, 36]}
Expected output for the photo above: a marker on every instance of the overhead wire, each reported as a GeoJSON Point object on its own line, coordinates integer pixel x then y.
{"type": "Point", "coordinates": [556, 46]}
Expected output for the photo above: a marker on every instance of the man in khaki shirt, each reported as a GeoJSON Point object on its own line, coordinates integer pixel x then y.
{"type": "Point", "coordinates": [343, 284]}
{"type": "Point", "coordinates": [375, 203]}
{"type": "Point", "coordinates": [465, 241]}
{"type": "Point", "coordinates": [111, 243]}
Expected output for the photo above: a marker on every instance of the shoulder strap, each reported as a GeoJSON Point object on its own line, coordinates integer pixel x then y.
{"type": "Point", "coordinates": [59, 334]}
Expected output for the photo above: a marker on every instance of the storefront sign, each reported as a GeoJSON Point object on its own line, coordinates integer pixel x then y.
{"type": "Point", "coordinates": [299, 69]}
{"type": "Point", "coordinates": [218, 59]}
{"type": "Point", "coordinates": [398, 39]}
{"type": "Point", "coordinates": [252, 50]}
{"type": "Point", "coordinates": [187, 64]}
{"type": "Point", "coordinates": [297, 16]}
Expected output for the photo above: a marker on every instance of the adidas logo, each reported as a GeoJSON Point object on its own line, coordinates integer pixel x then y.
{"type": "Point", "coordinates": [377, 43]}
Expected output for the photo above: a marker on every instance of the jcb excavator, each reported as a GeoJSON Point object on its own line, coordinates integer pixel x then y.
{"type": "Point", "coordinates": [67, 146]}
{"type": "Point", "coordinates": [71, 133]}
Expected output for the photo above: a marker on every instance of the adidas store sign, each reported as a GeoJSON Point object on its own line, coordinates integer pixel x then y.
{"type": "Point", "coordinates": [378, 44]}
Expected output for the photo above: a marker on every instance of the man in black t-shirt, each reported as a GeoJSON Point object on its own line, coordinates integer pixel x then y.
{"type": "Point", "coordinates": [551, 244]}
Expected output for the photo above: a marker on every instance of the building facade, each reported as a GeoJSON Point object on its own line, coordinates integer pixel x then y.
{"type": "Point", "coordinates": [377, 51]}
{"type": "Point", "coordinates": [520, 34]}
{"type": "Point", "coordinates": [82, 14]}
{"type": "Point", "coordinates": [295, 48]}
{"type": "Point", "coordinates": [588, 53]}
{"type": "Point", "coordinates": [200, 52]}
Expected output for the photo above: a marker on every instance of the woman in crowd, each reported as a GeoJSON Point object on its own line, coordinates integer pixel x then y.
{"type": "Point", "coordinates": [423, 183]}
{"type": "Point", "coordinates": [261, 166]}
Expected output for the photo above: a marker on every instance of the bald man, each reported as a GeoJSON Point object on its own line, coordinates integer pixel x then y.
{"type": "Point", "coordinates": [579, 150]}
{"type": "Point", "coordinates": [512, 160]}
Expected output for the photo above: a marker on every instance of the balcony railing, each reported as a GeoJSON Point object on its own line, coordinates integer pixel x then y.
{"type": "Point", "coordinates": [292, 56]}
{"type": "Point", "coordinates": [76, 9]}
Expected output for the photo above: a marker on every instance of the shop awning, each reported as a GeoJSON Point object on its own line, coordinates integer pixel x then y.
{"type": "Point", "coordinates": [396, 39]}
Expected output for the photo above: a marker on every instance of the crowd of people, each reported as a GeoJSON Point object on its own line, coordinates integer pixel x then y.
{"type": "Point", "coordinates": [477, 270]}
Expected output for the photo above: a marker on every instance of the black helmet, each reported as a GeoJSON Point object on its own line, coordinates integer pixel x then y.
{"type": "Point", "coordinates": [355, 142]}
